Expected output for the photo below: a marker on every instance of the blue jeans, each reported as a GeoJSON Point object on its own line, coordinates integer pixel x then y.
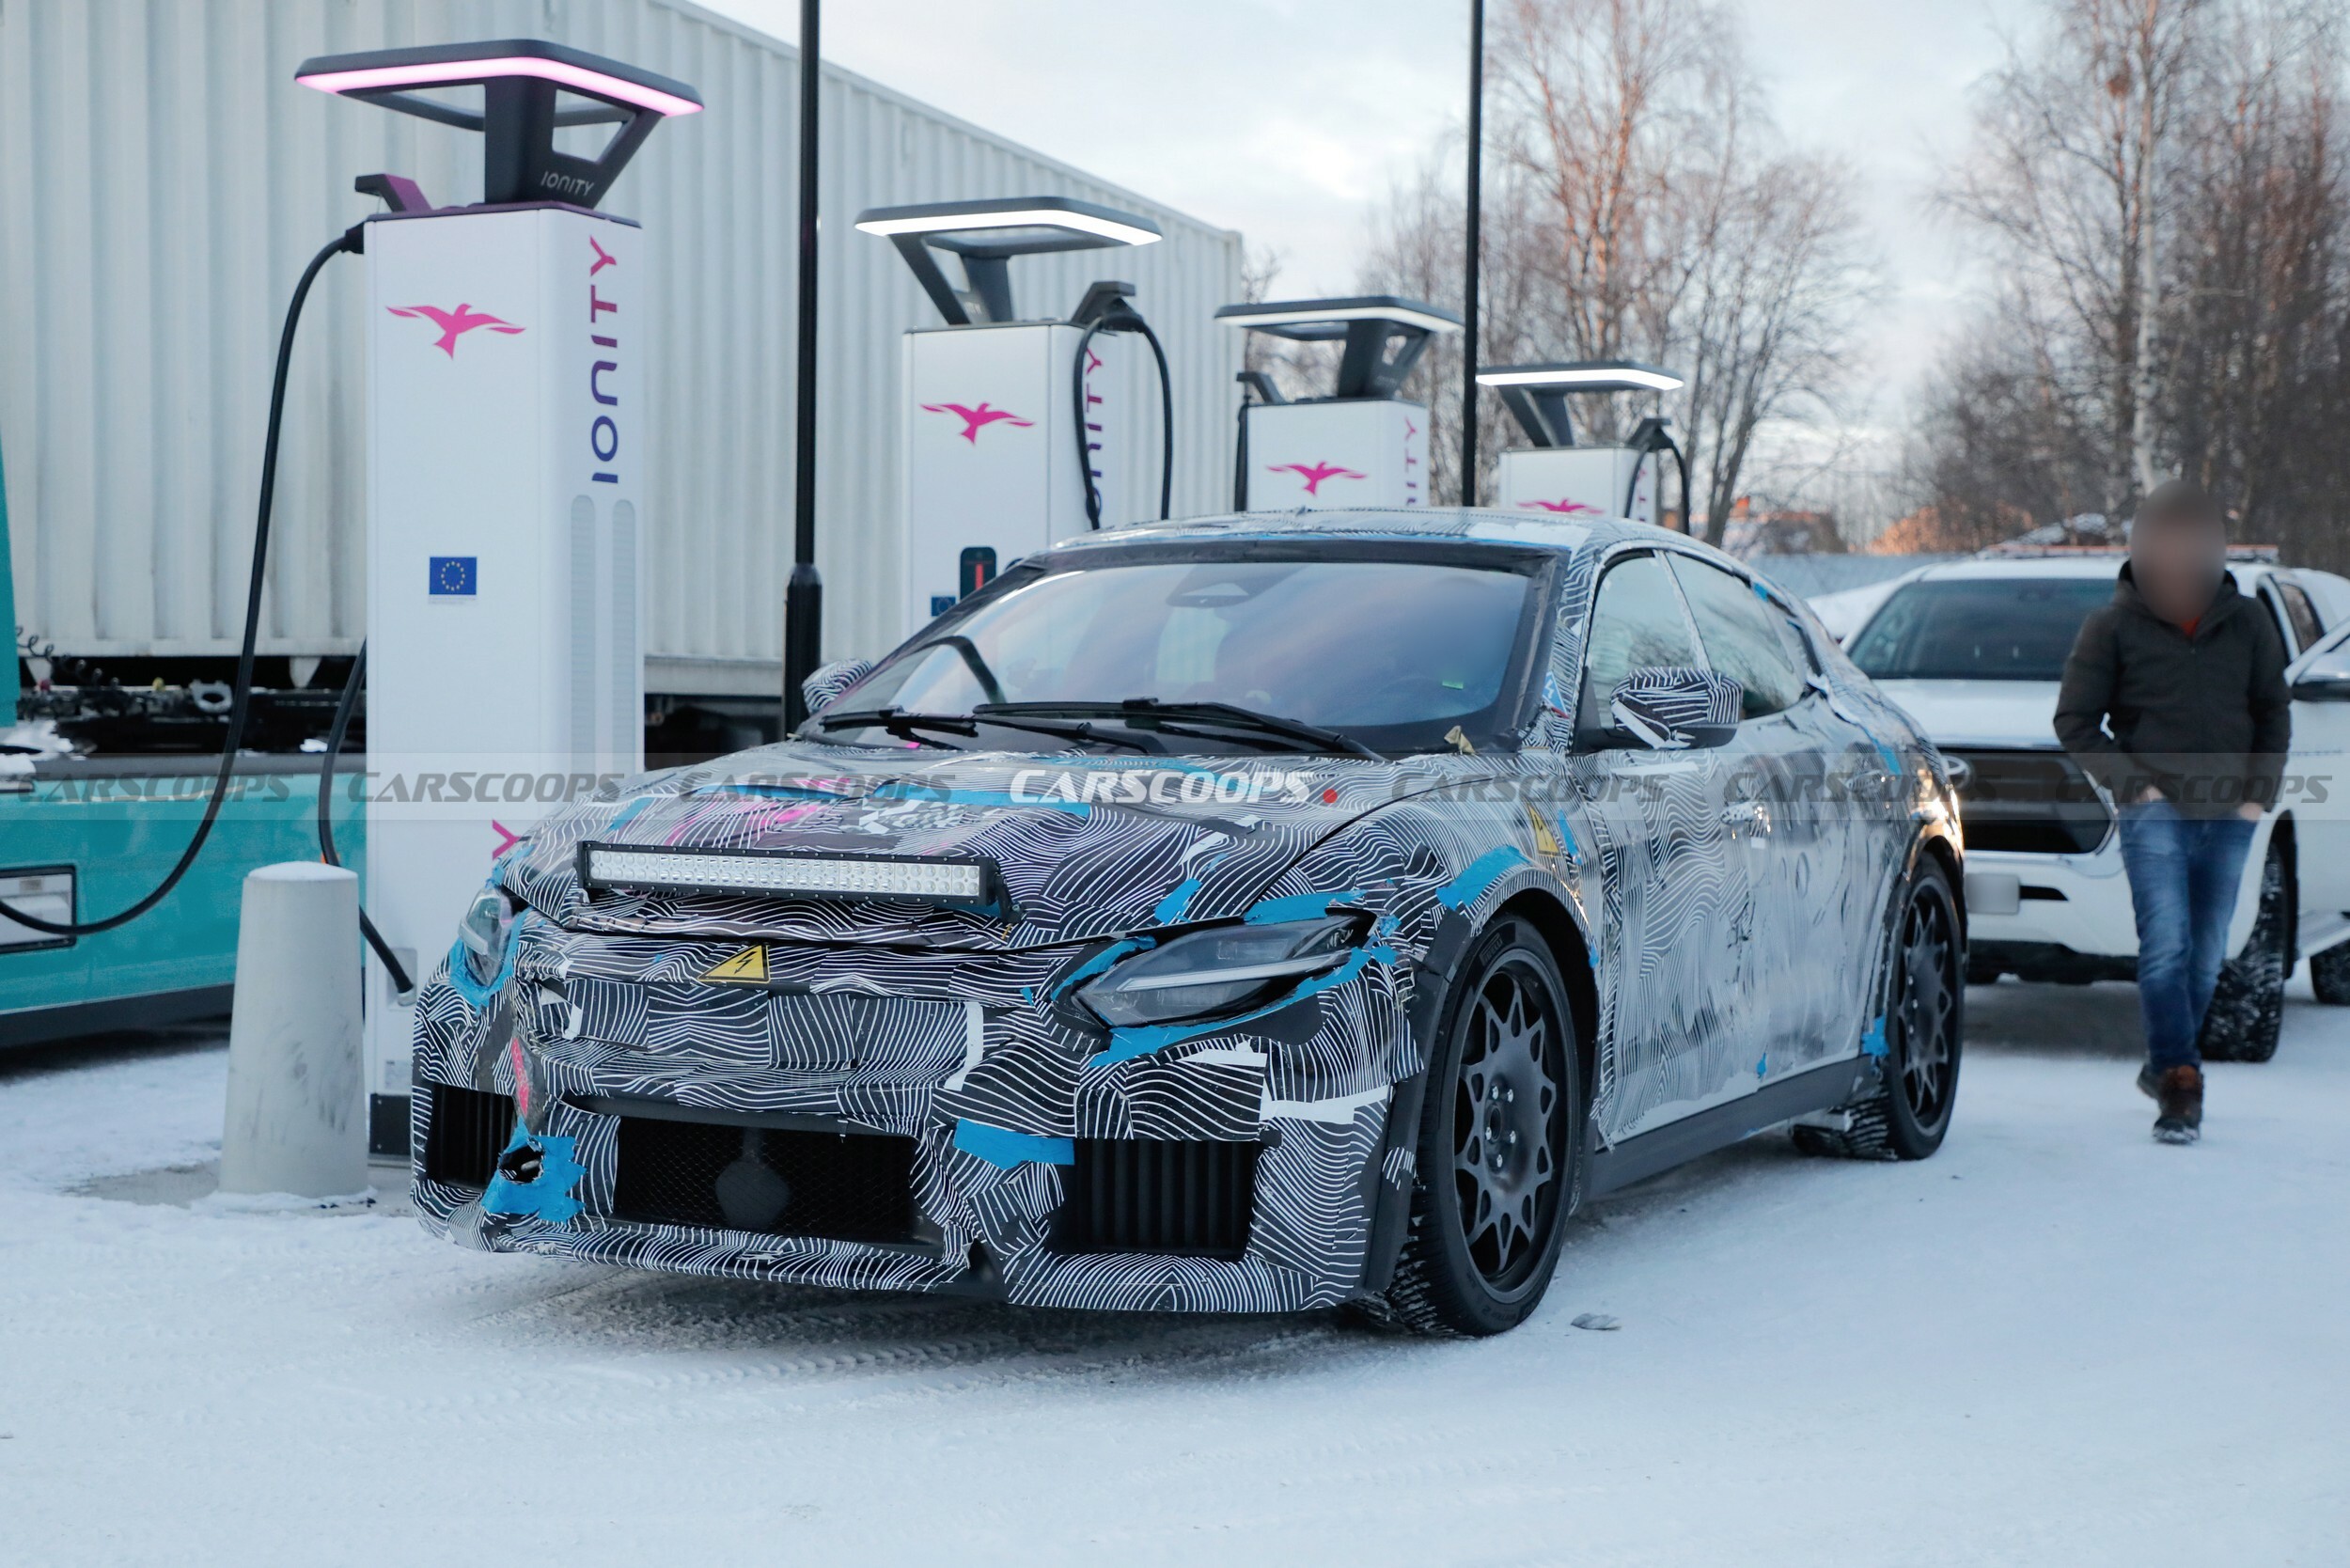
{"type": "Point", "coordinates": [2184, 875]}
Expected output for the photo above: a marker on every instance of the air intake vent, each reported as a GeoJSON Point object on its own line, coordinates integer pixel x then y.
{"type": "Point", "coordinates": [1145, 1195]}
{"type": "Point", "coordinates": [468, 1130]}
{"type": "Point", "coordinates": [719, 1176]}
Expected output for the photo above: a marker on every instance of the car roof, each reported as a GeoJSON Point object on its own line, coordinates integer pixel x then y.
{"type": "Point", "coordinates": [1478, 524]}
{"type": "Point", "coordinates": [2102, 565]}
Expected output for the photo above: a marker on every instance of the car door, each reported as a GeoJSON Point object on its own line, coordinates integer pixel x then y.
{"type": "Point", "coordinates": [1814, 852]}
{"type": "Point", "coordinates": [1678, 914]}
{"type": "Point", "coordinates": [2316, 790]}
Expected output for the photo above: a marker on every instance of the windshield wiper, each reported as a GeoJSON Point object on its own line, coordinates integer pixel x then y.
{"type": "Point", "coordinates": [1149, 713]}
{"type": "Point", "coordinates": [898, 722]}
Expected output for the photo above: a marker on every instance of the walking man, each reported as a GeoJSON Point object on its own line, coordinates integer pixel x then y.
{"type": "Point", "coordinates": [2174, 699]}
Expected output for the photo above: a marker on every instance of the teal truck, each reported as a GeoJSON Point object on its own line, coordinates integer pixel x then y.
{"type": "Point", "coordinates": [85, 835]}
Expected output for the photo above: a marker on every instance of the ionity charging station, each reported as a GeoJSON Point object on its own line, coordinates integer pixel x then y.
{"type": "Point", "coordinates": [1553, 473]}
{"type": "Point", "coordinates": [506, 460]}
{"type": "Point", "coordinates": [1015, 431]}
{"type": "Point", "coordinates": [1361, 445]}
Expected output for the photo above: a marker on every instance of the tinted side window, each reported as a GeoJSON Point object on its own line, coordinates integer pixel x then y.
{"type": "Point", "coordinates": [1745, 638]}
{"type": "Point", "coordinates": [2306, 628]}
{"type": "Point", "coordinates": [1636, 624]}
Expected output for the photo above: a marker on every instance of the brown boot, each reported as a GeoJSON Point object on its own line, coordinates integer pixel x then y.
{"type": "Point", "coordinates": [2180, 1093]}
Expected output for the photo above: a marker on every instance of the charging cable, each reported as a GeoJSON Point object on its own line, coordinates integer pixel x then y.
{"type": "Point", "coordinates": [352, 240]}
{"type": "Point", "coordinates": [1114, 314]}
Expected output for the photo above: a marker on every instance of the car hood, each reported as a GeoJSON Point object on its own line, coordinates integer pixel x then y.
{"type": "Point", "coordinates": [1089, 846]}
{"type": "Point", "coordinates": [1961, 713]}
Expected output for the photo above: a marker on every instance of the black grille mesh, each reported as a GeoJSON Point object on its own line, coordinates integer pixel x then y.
{"type": "Point", "coordinates": [1145, 1195]}
{"type": "Point", "coordinates": [773, 1180]}
{"type": "Point", "coordinates": [2030, 803]}
{"type": "Point", "coordinates": [468, 1130]}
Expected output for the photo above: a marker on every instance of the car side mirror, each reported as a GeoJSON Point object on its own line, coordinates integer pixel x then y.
{"type": "Point", "coordinates": [829, 681]}
{"type": "Point", "coordinates": [1672, 707]}
{"type": "Point", "coordinates": [2331, 686]}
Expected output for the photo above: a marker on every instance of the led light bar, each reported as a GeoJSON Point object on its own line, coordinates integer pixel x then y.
{"type": "Point", "coordinates": [1372, 307]}
{"type": "Point", "coordinates": [967, 217]}
{"type": "Point", "coordinates": [1588, 375]}
{"type": "Point", "coordinates": [793, 874]}
{"type": "Point", "coordinates": [418, 70]}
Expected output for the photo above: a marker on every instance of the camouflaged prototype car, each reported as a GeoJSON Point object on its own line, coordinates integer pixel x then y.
{"type": "Point", "coordinates": [1246, 913]}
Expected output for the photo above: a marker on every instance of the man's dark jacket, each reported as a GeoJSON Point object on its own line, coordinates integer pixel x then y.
{"type": "Point", "coordinates": [2206, 719]}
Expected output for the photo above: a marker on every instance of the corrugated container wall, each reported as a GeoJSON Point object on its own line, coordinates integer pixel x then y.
{"type": "Point", "coordinates": [163, 181]}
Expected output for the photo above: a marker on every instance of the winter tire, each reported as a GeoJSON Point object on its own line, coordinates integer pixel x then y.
{"type": "Point", "coordinates": [1908, 1114]}
{"type": "Point", "coordinates": [2330, 975]}
{"type": "Point", "coordinates": [2247, 1006]}
{"type": "Point", "coordinates": [1500, 1157]}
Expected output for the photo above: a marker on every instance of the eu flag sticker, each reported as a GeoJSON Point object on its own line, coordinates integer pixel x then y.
{"type": "Point", "coordinates": [452, 576]}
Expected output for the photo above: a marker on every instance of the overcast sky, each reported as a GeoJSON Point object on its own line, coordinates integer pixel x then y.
{"type": "Point", "coordinates": [1289, 119]}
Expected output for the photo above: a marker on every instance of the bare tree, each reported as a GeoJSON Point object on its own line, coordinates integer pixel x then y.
{"type": "Point", "coordinates": [1640, 206]}
{"type": "Point", "coordinates": [2159, 184]}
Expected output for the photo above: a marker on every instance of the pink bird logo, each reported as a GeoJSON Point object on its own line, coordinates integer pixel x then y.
{"type": "Point", "coordinates": [507, 838]}
{"type": "Point", "coordinates": [976, 419]}
{"type": "Point", "coordinates": [454, 324]}
{"type": "Point", "coordinates": [1558, 506]}
{"type": "Point", "coordinates": [1314, 473]}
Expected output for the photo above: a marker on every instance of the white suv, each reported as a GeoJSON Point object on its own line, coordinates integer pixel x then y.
{"type": "Point", "coordinates": [1975, 650]}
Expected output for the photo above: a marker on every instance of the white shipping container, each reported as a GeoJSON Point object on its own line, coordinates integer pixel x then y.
{"type": "Point", "coordinates": [163, 181]}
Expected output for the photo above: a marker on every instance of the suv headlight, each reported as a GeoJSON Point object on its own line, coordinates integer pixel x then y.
{"type": "Point", "coordinates": [483, 932]}
{"type": "Point", "coordinates": [1220, 970]}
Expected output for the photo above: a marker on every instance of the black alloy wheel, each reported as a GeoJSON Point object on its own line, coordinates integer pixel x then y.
{"type": "Point", "coordinates": [1500, 1149]}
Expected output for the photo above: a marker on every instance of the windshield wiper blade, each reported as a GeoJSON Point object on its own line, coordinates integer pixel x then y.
{"type": "Point", "coordinates": [901, 724]}
{"type": "Point", "coordinates": [1148, 713]}
{"type": "Point", "coordinates": [898, 722]}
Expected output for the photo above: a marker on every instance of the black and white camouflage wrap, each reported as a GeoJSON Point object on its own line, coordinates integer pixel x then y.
{"type": "Point", "coordinates": [1725, 907]}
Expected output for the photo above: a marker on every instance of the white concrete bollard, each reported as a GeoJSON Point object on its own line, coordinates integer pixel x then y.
{"type": "Point", "coordinates": [297, 1089]}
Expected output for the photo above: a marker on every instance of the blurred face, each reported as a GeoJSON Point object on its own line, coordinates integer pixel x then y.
{"type": "Point", "coordinates": [2177, 563]}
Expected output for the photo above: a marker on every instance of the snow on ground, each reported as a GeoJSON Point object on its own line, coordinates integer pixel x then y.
{"type": "Point", "coordinates": [2057, 1342]}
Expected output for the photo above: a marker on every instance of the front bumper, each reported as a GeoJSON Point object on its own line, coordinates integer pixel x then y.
{"type": "Point", "coordinates": [941, 1123]}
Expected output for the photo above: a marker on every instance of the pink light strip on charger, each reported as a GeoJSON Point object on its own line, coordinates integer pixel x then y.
{"type": "Point", "coordinates": [376, 77]}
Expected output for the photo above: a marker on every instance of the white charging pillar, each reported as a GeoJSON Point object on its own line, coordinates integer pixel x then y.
{"type": "Point", "coordinates": [1362, 445]}
{"type": "Point", "coordinates": [1000, 425]}
{"type": "Point", "coordinates": [990, 466]}
{"type": "Point", "coordinates": [506, 460]}
{"type": "Point", "coordinates": [1554, 474]}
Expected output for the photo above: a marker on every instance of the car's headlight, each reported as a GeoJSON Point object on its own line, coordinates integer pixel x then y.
{"type": "Point", "coordinates": [483, 933]}
{"type": "Point", "coordinates": [1220, 970]}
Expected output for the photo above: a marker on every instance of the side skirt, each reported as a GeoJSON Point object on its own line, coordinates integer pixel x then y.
{"type": "Point", "coordinates": [1816, 1089]}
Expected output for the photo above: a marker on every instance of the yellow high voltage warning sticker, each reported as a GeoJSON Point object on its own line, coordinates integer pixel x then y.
{"type": "Point", "coordinates": [748, 967]}
{"type": "Point", "coordinates": [1546, 842]}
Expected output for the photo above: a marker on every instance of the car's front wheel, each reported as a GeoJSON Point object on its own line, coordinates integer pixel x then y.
{"type": "Point", "coordinates": [1500, 1144]}
{"type": "Point", "coordinates": [1908, 1114]}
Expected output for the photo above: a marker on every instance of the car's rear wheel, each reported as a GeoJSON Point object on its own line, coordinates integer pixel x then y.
{"type": "Point", "coordinates": [1908, 1114]}
{"type": "Point", "coordinates": [2248, 1006]}
{"type": "Point", "coordinates": [1500, 1164]}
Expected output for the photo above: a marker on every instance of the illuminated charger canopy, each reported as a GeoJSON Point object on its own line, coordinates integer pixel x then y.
{"type": "Point", "coordinates": [1536, 395]}
{"type": "Point", "coordinates": [529, 90]}
{"type": "Point", "coordinates": [986, 235]}
{"type": "Point", "coordinates": [1384, 336]}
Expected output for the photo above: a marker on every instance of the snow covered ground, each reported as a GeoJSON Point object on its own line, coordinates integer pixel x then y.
{"type": "Point", "coordinates": [2057, 1342]}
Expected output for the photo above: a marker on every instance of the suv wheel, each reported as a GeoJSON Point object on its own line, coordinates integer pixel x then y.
{"type": "Point", "coordinates": [2329, 975]}
{"type": "Point", "coordinates": [1500, 1164]}
{"type": "Point", "coordinates": [2247, 1006]}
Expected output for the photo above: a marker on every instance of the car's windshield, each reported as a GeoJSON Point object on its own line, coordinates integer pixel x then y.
{"type": "Point", "coordinates": [1979, 628]}
{"type": "Point", "coordinates": [1390, 652]}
